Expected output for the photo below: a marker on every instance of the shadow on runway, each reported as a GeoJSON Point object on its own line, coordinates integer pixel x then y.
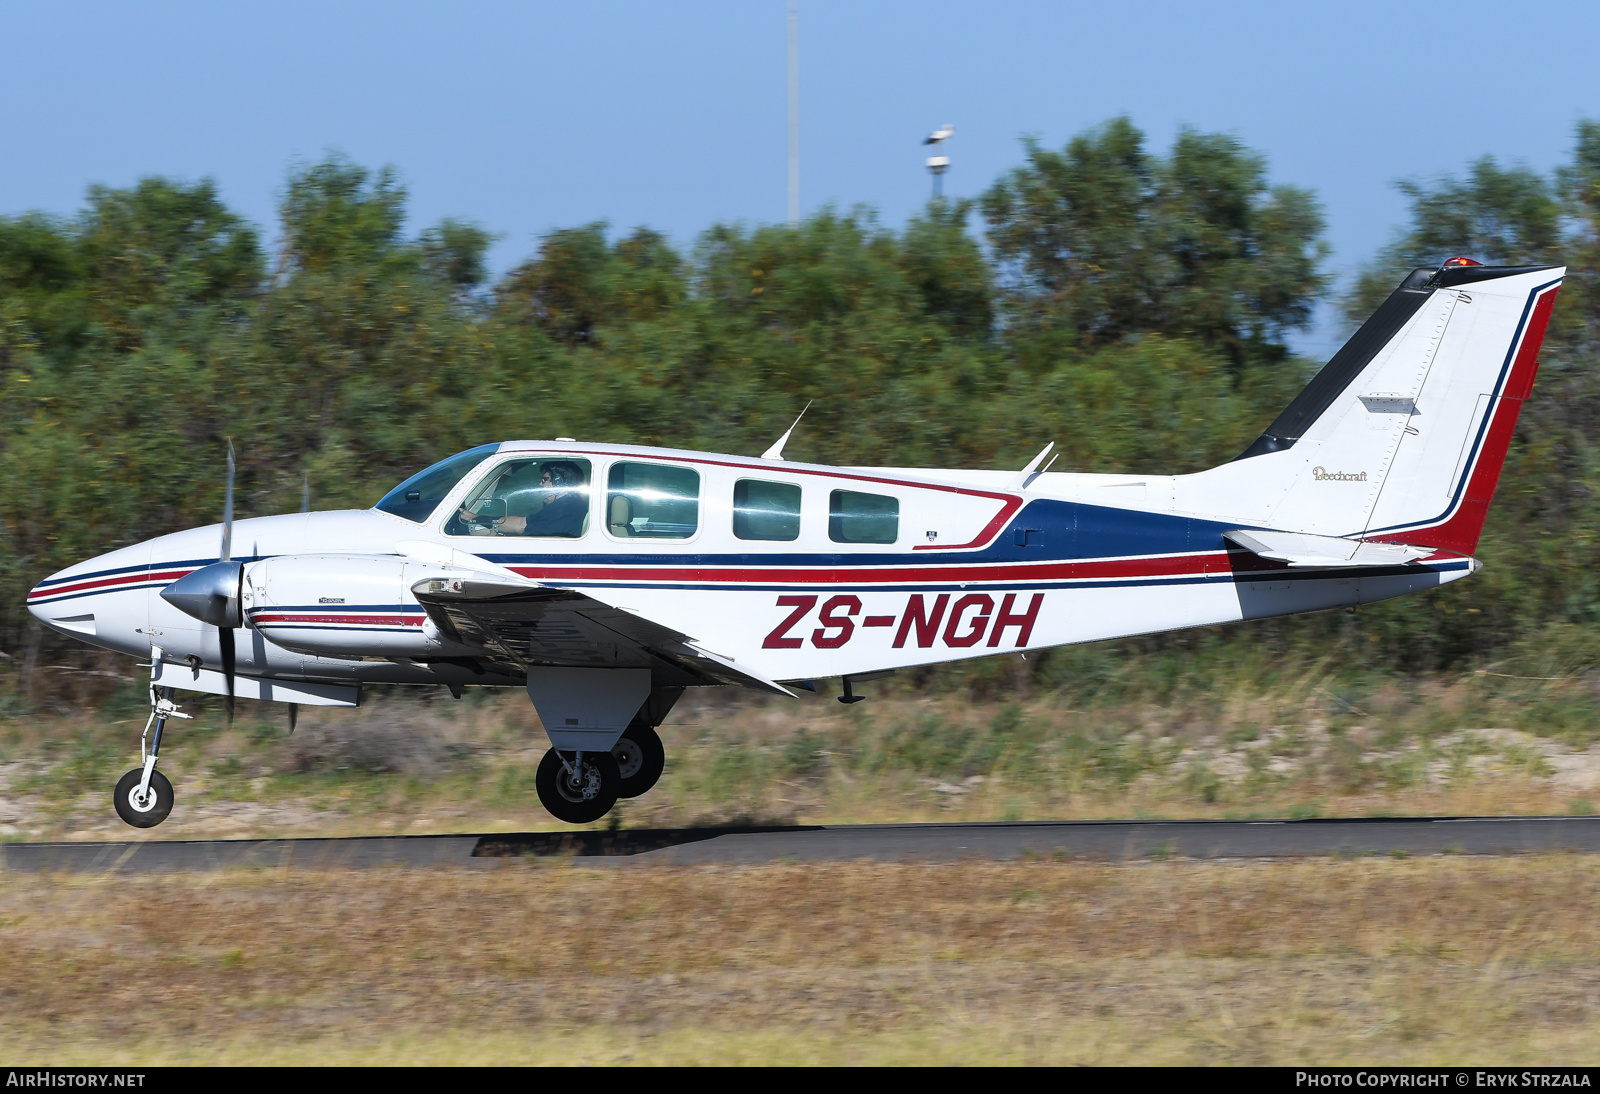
{"type": "Point", "coordinates": [619, 842]}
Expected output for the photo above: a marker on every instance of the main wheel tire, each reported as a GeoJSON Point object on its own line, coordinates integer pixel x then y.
{"type": "Point", "coordinates": [585, 800]}
{"type": "Point", "coordinates": [148, 811]}
{"type": "Point", "coordinates": [640, 758]}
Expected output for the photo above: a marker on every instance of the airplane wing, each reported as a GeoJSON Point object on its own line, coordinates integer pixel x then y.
{"type": "Point", "coordinates": [1300, 549]}
{"type": "Point", "coordinates": [531, 624]}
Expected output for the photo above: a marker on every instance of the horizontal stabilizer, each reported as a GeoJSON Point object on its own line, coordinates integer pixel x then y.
{"type": "Point", "coordinates": [1302, 549]}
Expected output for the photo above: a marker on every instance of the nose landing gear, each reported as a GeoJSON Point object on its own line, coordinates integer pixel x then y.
{"type": "Point", "coordinates": [144, 796]}
{"type": "Point", "coordinates": [141, 804]}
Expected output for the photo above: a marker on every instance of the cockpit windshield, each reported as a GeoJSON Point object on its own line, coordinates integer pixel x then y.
{"type": "Point", "coordinates": [417, 497]}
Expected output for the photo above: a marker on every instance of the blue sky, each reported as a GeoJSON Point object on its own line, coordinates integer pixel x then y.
{"type": "Point", "coordinates": [528, 116]}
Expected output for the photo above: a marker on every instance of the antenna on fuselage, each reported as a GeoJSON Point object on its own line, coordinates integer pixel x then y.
{"type": "Point", "coordinates": [776, 451]}
{"type": "Point", "coordinates": [1026, 473]}
{"type": "Point", "coordinates": [305, 493]}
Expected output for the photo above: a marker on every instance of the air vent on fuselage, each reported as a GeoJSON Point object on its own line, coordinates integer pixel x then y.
{"type": "Point", "coordinates": [75, 624]}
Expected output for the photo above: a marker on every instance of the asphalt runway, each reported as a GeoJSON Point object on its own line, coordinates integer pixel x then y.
{"type": "Point", "coordinates": [1111, 841]}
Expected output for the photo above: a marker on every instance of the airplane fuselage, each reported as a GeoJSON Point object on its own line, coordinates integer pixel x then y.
{"type": "Point", "coordinates": [968, 564]}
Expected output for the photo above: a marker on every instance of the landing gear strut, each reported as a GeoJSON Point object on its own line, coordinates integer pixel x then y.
{"type": "Point", "coordinates": [143, 796]}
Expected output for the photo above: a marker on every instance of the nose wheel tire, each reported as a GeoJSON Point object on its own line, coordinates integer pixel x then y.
{"type": "Point", "coordinates": [143, 811]}
{"type": "Point", "coordinates": [578, 796]}
{"type": "Point", "coordinates": [640, 760]}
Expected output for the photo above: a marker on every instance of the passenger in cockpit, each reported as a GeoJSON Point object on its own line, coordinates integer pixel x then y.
{"type": "Point", "coordinates": [566, 504]}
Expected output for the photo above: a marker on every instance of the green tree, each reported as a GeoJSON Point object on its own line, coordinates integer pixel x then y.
{"type": "Point", "coordinates": [455, 252]}
{"type": "Point", "coordinates": [161, 251]}
{"type": "Point", "coordinates": [1103, 241]}
{"type": "Point", "coordinates": [580, 282]}
{"type": "Point", "coordinates": [1508, 216]}
{"type": "Point", "coordinates": [337, 213]}
{"type": "Point", "coordinates": [43, 290]}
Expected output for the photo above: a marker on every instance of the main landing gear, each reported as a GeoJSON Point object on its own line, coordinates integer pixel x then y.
{"type": "Point", "coordinates": [143, 796]}
{"type": "Point", "coordinates": [580, 786]}
{"type": "Point", "coordinates": [640, 757]}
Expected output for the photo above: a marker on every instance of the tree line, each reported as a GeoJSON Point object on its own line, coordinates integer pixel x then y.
{"type": "Point", "coordinates": [1131, 305]}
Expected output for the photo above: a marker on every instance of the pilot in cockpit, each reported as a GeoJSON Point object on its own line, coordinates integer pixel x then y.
{"type": "Point", "coordinates": [566, 505]}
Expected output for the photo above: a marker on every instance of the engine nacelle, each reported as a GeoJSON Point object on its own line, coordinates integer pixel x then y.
{"type": "Point", "coordinates": [346, 606]}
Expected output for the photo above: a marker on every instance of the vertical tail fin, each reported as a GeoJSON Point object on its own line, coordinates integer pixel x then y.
{"type": "Point", "coordinates": [1402, 435]}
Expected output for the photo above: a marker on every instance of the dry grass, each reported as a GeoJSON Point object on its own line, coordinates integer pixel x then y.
{"type": "Point", "coordinates": [1399, 961]}
{"type": "Point", "coordinates": [404, 764]}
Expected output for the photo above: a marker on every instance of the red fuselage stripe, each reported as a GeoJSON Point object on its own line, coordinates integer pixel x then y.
{"type": "Point", "coordinates": [384, 620]}
{"type": "Point", "coordinates": [107, 582]}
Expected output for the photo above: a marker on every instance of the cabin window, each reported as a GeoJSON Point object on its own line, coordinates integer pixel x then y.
{"type": "Point", "coordinates": [653, 501]}
{"type": "Point", "coordinates": [766, 510]}
{"type": "Point", "coordinates": [417, 497]}
{"type": "Point", "coordinates": [854, 517]}
{"type": "Point", "coordinates": [541, 496]}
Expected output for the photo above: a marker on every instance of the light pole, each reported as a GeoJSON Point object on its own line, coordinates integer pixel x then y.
{"type": "Point", "coordinates": [794, 113]}
{"type": "Point", "coordinates": [938, 165]}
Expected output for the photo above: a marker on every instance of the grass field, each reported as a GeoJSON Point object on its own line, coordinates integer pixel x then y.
{"type": "Point", "coordinates": [1241, 741]}
{"type": "Point", "coordinates": [1444, 960]}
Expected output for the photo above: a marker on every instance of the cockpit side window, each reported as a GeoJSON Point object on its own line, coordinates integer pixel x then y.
{"type": "Point", "coordinates": [541, 496]}
{"type": "Point", "coordinates": [417, 497]}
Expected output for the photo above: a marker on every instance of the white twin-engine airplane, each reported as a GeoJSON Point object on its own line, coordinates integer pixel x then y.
{"type": "Point", "coordinates": [606, 579]}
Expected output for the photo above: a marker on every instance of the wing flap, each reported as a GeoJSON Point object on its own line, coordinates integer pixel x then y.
{"type": "Point", "coordinates": [532, 624]}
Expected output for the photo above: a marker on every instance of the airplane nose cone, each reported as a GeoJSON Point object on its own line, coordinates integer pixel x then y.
{"type": "Point", "coordinates": [59, 603]}
{"type": "Point", "coordinates": [35, 608]}
{"type": "Point", "coordinates": [210, 594]}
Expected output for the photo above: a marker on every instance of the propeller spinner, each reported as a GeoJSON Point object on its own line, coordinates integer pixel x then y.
{"type": "Point", "coordinates": [211, 593]}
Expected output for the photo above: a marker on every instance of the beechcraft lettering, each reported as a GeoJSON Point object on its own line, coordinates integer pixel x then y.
{"type": "Point", "coordinates": [605, 580]}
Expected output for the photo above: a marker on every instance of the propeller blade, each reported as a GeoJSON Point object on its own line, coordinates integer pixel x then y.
{"type": "Point", "coordinates": [211, 594]}
{"type": "Point", "coordinates": [225, 640]}
{"type": "Point", "coordinates": [227, 510]}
